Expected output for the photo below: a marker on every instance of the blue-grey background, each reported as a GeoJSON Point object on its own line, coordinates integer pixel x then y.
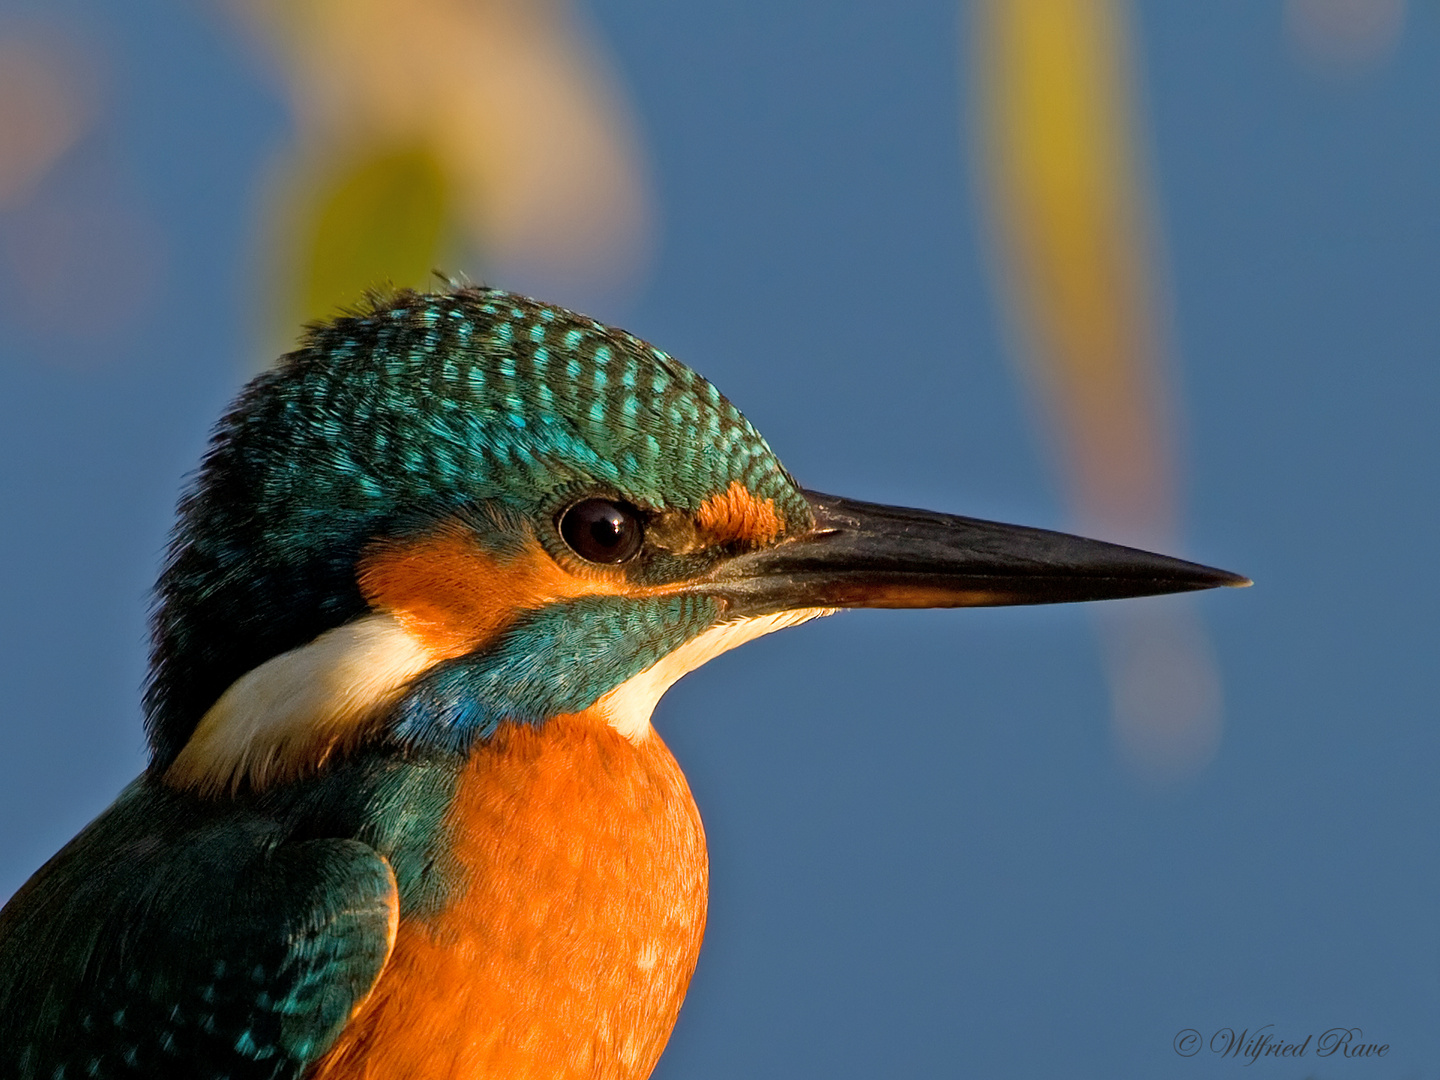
{"type": "Point", "coordinates": [926, 859]}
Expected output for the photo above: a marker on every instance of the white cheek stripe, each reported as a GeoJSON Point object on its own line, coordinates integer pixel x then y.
{"type": "Point", "coordinates": [289, 715]}
{"type": "Point", "coordinates": [293, 711]}
{"type": "Point", "coordinates": [629, 706]}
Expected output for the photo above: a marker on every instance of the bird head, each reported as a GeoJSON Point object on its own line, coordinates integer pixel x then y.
{"type": "Point", "coordinates": [452, 510]}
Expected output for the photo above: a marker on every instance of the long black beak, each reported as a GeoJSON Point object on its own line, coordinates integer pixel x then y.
{"type": "Point", "coordinates": [867, 555]}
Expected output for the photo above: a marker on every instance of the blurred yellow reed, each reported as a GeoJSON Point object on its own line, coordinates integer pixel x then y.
{"type": "Point", "coordinates": [1070, 216]}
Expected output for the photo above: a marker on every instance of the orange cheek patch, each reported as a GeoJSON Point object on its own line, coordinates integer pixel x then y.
{"type": "Point", "coordinates": [736, 514]}
{"type": "Point", "coordinates": [455, 596]}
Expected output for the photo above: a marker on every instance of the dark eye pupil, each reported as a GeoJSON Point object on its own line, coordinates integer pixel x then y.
{"type": "Point", "coordinates": [602, 531]}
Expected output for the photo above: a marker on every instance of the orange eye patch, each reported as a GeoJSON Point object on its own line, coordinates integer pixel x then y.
{"type": "Point", "coordinates": [737, 515]}
{"type": "Point", "coordinates": [454, 596]}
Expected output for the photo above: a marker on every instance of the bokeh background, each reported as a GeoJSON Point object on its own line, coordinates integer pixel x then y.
{"type": "Point", "coordinates": [1164, 272]}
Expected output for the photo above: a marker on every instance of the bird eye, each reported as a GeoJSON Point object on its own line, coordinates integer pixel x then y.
{"type": "Point", "coordinates": [602, 531]}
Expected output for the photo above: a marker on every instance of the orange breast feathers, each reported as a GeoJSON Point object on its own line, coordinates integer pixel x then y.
{"type": "Point", "coordinates": [573, 935]}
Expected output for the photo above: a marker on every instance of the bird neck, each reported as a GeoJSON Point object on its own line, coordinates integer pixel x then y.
{"type": "Point", "coordinates": [574, 923]}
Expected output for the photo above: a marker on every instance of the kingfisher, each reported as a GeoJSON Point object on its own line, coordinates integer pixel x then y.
{"type": "Point", "coordinates": [405, 816]}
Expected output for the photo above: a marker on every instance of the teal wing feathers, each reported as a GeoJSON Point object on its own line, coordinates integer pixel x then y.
{"type": "Point", "coordinates": [162, 944]}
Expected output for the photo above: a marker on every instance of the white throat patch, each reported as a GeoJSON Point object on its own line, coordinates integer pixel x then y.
{"type": "Point", "coordinates": [629, 706]}
{"type": "Point", "coordinates": [288, 716]}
